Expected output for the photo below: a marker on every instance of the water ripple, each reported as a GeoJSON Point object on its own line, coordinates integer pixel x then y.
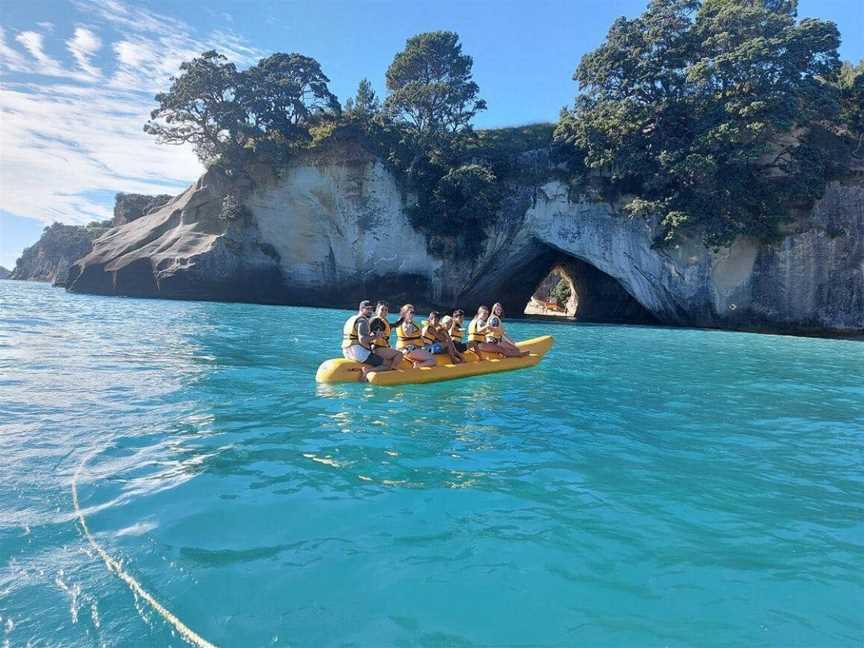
{"type": "Point", "coordinates": [641, 486]}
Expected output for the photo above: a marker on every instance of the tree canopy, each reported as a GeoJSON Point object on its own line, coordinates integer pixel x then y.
{"type": "Point", "coordinates": [223, 111]}
{"type": "Point", "coordinates": [431, 85]}
{"type": "Point", "coordinates": [201, 107]}
{"type": "Point", "coordinates": [710, 114]}
{"type": "Point", "coordinates": [285, 93]}
{"type": "Point", "coordinates": [365, 102]}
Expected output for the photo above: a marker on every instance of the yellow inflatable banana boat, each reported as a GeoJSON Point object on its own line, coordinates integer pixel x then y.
{"type": "Point", "coordinates": [342, 370]}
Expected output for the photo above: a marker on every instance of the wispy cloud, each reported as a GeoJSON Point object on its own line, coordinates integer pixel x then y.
{"type": "Point", "coordinates": [32, 41]}
{"type": "Point", "coordinates": [83, 45]}
{"type": "Point", "coordinates": [10, 59]}
{"type": "Point", "coordinates": [71, 132]}
{"type": "Point", "coordinates": [130, 18]}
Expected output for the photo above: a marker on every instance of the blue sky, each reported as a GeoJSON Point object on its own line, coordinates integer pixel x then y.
{"type": "Point", "coordinates": [78, 78]}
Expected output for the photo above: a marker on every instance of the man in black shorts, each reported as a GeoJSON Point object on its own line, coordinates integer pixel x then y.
{"type": "Point", "coordinates": [357, 341]}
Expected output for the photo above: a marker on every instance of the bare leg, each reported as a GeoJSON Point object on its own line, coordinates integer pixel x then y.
{"type": "Point", "coordinates": [421, 358]}
{"type": "Point", "coordinates": [455, 356]}
{"type": "Point", "coordinates": [492, 347]}
{"type": "Point", "coordinates": [392, 358]}
{"type": "Point", "coordinates": [513, 349]}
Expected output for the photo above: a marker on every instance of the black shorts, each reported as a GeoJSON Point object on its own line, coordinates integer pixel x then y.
{"type": "Point", "coordinates": [373, 360]}
{"type": "Point", "coordinates": [461, 347]}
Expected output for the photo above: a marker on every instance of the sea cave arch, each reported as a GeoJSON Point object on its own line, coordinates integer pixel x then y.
{"type": "Point", "coordinates": [594, 296]}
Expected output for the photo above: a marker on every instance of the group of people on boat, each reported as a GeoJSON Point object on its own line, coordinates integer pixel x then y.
{"type": "Point", "coordinates": [366, 336]}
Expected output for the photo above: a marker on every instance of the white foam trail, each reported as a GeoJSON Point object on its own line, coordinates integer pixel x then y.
{"type": "Point", "coordinates": [114, 566]}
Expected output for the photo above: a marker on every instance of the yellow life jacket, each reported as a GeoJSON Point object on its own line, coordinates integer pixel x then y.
{"type": "Point", "coordinates": [384, 341]}
{"type": "Point", "coordinates": [497, 329]}
{"type": "Point", "coordinates": [405, 339]}
{"type": "Point", "coordinates": [428, 334]}
{"type": "Point", "coordinates": [349, 332]}
{"type": "Point", "coordinates": [473, 335]}
{"type": "Point", "coordinates": [456, 332]}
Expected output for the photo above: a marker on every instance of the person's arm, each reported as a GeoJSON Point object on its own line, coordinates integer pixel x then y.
{"type": "Point", "coordinates": [363, 332]}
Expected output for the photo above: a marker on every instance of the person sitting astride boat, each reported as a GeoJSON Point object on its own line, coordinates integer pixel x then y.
{"type": "Point", "coordinates": [496, 335]}
{"type": "Point", "coordinates": [453, 325]}
{"type": "Point", "coordinates": [409, 339]}
{"type": "Point", "coordinates": [440, 338]}
{"type": "Point", "coordinates": [357, 339]}
{"type": "Point", "coordinates": [380, 329]}
{"type": "Point", "coordinates": [479, 333]}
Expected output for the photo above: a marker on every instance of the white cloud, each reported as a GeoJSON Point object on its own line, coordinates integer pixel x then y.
{"type": "Point", "coordinates": [83, 45]}
{"type": "Point", "coordinates": [70, 138]}
{"type": "Point", "coordinates": [71, 141]}
{"type": "Point", "coordinates": [10, 58]}
{"type": "Point", "coordinates": [32, 41]}
{"type": "Point", "coordinates": [130, 18]}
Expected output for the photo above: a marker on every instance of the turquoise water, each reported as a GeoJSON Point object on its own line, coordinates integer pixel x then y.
{"type": "Point", "coordinates": [640, 487]}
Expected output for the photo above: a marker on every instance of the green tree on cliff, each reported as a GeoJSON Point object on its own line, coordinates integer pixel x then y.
{"type": "Point", "coordinates": [431, 86]}
{"type": "Point", "coordinates": [224, 113]}
{"type": "Point", "coordinates": [365, 103]}
{"type": "Point", "coordinates": [201, 108]}
{"type": "Point", "coordinates": [285, 94]}
{"type": "Point", "coordinates": [851, 83]}
{"type": "Point", "coordinates": [711, 114]}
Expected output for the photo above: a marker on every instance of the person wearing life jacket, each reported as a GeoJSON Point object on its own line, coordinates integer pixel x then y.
{"type": "Point", "coordinates": [357, 340]}
{"type": "Point", "coordinates": [380, 329]}
{"type": "Point", "coordinates": [409, 339]}
{"type": "Point", "coordinates": [480, 333]}
{"type": "Point", "coordinates": [453, 325]}
{"type": "Point", "coordinates": [496, 334]}
{"type": "Point", "coordinates": [477, 329]}
{"type": "Point", "coordinates": [437, 339]}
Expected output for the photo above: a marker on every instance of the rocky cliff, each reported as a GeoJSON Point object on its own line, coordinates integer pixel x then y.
{"type": "Point", "coordinates": [129, 207]}
{"type": "Point", "coordinates": [59, 246]}
{"type": "Point", "coordinates": [333, 227]}
{"type": "Point", "coordinates": [50, 258]}
{"type": "Point", "coordinates": [4, 273]}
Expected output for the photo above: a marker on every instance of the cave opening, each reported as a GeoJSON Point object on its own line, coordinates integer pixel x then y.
{"type": "Point", "coordinates": [555, 296]}
{"type": "Point", "coordinates": [551, 284]}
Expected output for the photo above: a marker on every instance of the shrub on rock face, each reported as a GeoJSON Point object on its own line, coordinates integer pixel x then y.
{"type": "Point", "coordinates": [851, 84]}
{"type": "Point", "coordinates": [714, 114]}
{"type": "Point", "coordinates": [467, 196]}
{"type": "Point", "coordinates": [561, 292]}
{"type": "Point", "coordinates": [233, 210]}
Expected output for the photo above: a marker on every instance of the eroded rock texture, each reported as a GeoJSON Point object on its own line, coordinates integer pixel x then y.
{"type": "Point", "coordinates": [332, 228]}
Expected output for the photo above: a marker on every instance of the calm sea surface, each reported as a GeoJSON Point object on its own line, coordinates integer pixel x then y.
{"type": "Point", "coordinates": [640, 487]}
